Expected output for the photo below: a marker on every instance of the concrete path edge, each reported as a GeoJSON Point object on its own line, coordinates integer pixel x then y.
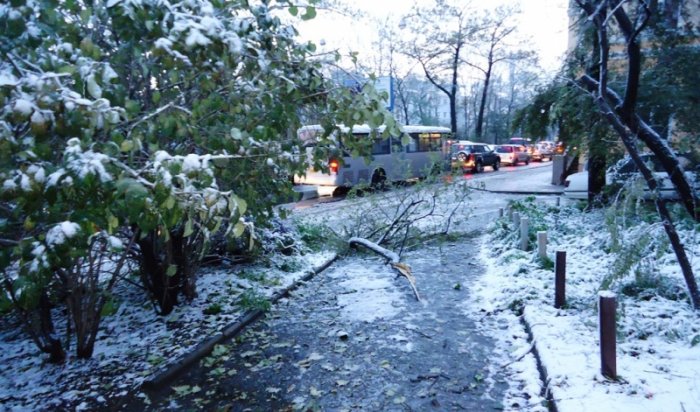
{"type": "Point", "coordinates": [544, 376]}
{"type": "Point", "coordinates": [172, 370]}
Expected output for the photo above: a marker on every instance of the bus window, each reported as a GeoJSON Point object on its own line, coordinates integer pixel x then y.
{"type": "Point", "coordinates": [381, 146]}
{"type": "Point", "coordinates": [424, 142]}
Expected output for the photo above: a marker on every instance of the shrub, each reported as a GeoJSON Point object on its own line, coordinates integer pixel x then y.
{"type": "Point", "coordinates": [143, 125]}
{"type": "Point", "coordinates": [252, 300]}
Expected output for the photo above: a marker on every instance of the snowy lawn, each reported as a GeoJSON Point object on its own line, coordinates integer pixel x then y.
{"type": "Point", "coordinates": [134, 343]}
{"type": "Point", "coordinates": [658, 333]}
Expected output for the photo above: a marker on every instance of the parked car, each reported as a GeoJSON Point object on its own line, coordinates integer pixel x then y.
{"type": "Point", "coordinates": [625, 173]}
{"type": "Point", "coordinates": [530, 148]}
{"type": "Point", "coordinates": [473, 157]}
{"type": "Point", "coordinates": [576, 185]}
{"type": "Point", "coordinates": [513, 154]}
{"type": "Point", "coordinates": [545, 149]}
{"type": "Point", "coordinates": [535, 154]}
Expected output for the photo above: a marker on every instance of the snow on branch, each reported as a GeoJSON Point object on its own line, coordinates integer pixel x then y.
{"type": "Point", "coordinates": [392, 258]}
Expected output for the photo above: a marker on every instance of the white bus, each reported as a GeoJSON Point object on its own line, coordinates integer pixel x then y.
{"type": "Point", "coordinates": [390, 161]}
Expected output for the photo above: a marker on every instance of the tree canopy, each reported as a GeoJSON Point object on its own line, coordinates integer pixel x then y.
{"type": "Point", "coordinates": [149, 123]}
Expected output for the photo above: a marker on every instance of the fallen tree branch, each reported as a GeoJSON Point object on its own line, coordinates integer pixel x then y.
{"type": "Point", "coordinates": [392, 259]}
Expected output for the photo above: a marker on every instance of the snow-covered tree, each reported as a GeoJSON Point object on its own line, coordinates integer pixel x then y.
{"type": "Point", "coordinates": [144, 126]}
{"type": "Point", "coordinates": [618, 102]}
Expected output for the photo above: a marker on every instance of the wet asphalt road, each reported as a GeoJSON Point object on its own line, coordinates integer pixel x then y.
{"type": "Point", "coordinates": [355, 338]}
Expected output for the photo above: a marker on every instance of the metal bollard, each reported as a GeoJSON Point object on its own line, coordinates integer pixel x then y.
{"type": "Point", "coordinates": [516, 219]}
{"type": "Point", "coordinates": [560, 280]}
{"type": "Point", "coordinates": [607, 306]}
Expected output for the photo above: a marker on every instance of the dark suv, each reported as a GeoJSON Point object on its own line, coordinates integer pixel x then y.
{"type": "Point", "coordinates": [473, 157]}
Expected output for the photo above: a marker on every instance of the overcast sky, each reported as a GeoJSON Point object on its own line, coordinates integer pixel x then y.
{"type": "Point", "coordinates": [543, 23]}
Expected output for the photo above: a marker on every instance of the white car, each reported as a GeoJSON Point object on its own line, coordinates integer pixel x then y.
{"type": "Point", "coordinates": [576, 185]}
{"type": "Point", "coordinates": [513, 154]}
{"type": "Point", "coordinates": [625, 173]}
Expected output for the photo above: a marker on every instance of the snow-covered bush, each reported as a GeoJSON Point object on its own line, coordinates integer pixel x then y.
{"type": "Point", "coordinates": [639, 245]}
{"type": "Point", "coordinates": [151, 124]}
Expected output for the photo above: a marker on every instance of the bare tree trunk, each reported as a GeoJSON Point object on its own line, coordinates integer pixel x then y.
{"type": "Point", "coordinates": [484, 93]}
{"type": "Point", "coordinates": [45, 332]}
{"type": "Point", "coordinates": [466, 115]}
{"type": "Point", "coordinates": [38, 323]}
{"type": "Point", "coordinates": [453, 94]}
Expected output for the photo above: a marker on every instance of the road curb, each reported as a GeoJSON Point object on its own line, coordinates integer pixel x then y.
{"type": "Point", "coordinates": [520, 192]}
{"type": "Point", "coordinates": [544, 376]}
{"type": "Point", "coordinates": [507, 192]}
{"type": "Point", "coordinates": [170, 372]}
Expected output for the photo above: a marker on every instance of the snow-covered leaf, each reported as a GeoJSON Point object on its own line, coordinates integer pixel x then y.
{"type": "Point", "coordinates": [93, 88]}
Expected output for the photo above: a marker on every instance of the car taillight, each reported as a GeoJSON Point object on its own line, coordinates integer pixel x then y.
{"type": "Point", "coordinates": [333, 166]}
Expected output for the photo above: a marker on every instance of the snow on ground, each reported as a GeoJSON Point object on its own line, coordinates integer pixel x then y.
{"type": "Point", "coordinates": [658, 334]}
{"type": "Point", "coordinates": [375, 295]}
{"type": "Point", "coordinates": [135, 343]}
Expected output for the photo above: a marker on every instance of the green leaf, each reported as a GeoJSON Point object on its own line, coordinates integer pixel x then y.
{"type": "Point", "coordinates": [172, 270]}
{"type": "Point", "coordinates": [236, 133]}
{"type": "Point", "coordinates": [240, 204]}
{"type": "Point", "coordinates": [27, 292]}
{"type": "Point", "coordinates": [67, 69]}
{"type": "Point", "coordinates": [86, 14]}
{"type": "Point", "coordinates": [5, 303]}
{"type": "Point", "coordinates": [132, 107]}
{"type": "Point", "coordinates": [294, 10]}
{"type": "Point", "coordinates": [132, 189]}
{"type": "Point", "coordinates": [189, 228]}
{"type": "Point", "coordinates": [238, 229]}
{"type": "Point", "coordinates": [185, 390]}
{"type": "Point", "coordinates": [310, 13]}
{"type": "Point", "coordinates": [169, 202]}
{"type": "Point", "coordinates": [110, 307]}
{"type": "Point", "coordinates": [112, 223]}
{"type": "Point", "coordinates": [86, 46]}
{"type": "Point", "coordinates": [127, 146]}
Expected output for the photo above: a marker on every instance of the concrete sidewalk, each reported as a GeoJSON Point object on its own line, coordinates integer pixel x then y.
{"type": "Point", "coordinates": [355, 338]}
